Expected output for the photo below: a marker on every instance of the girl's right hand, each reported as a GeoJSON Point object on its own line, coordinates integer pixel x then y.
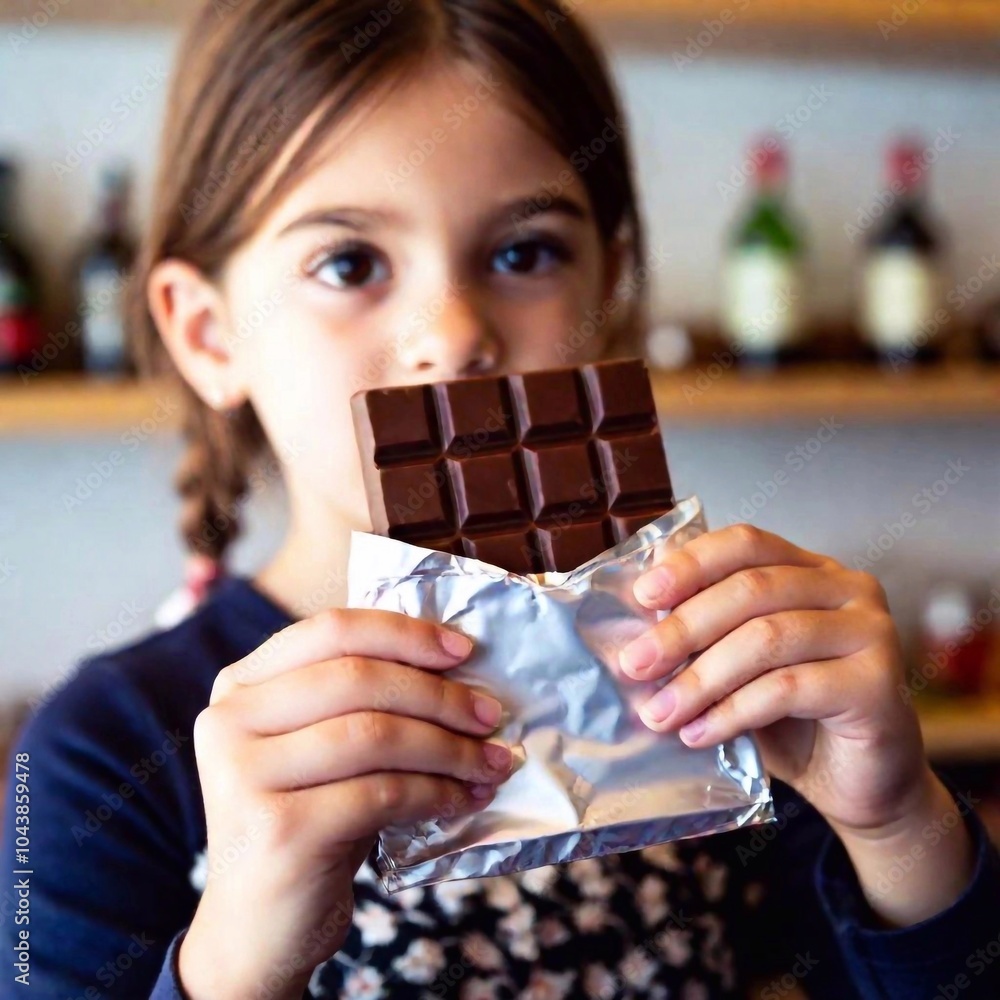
{"type": "Point", "coordinates": [309, 746]}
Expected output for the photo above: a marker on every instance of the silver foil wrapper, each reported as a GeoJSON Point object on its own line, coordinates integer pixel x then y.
{"type": "Point", "coordinates": [589, 777]}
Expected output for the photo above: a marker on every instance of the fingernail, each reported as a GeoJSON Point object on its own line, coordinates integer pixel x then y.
{"type": "Point", "coordinates": [653, 585]}
{"type": "Point", "coordinates": [454, 643]}
{"type": "Point", "coordinates": [498, 756]}
{"type": "Point", "coordinates": [639, 655]}
{"type": "Point", "coordinates": [482, 791]}
{"type": "Point", "coordinates": [487, 709]}
{"type": "Point", "coordinates": [661, 704]}
{"type": "Point", "coordinates": [694, 730]}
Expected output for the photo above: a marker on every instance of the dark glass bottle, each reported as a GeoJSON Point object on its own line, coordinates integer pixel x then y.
{"type": "Point", "coordinates": [763, 314]}
{"type": "Point", "coordinates": [20, 317]}
{"type": "Point", "coordinates": [104, 265]}
{"type": "Point", "coordinates": [902, 318]}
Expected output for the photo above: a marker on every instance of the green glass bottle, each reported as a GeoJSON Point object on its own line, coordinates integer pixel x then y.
{"type": "Point", "coordinates": [762, 309]}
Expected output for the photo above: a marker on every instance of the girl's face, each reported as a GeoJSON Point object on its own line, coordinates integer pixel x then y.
{"type": "Point", "coordinates": [417, 250]}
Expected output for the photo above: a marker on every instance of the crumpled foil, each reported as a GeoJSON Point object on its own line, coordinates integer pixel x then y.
{"type": "Point", "coordinates": [589, 777]}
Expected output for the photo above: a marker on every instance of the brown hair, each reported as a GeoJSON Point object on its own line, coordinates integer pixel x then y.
{"type": "Point", "coordinates": [251, 73]}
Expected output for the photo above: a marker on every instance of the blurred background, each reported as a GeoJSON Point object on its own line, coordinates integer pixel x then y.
{"type": "Point", "coordinates": [821, 182]}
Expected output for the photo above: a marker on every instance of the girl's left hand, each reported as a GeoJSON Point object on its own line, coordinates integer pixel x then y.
{"type": "Point", "coordinates": [798, 648]}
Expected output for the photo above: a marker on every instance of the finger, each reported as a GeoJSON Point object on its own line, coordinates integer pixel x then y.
{"type": "Point", "coordinates": [819, 690]}
{"type": "Point", "coordinates": [712, 557]}
{"type": "Point", "coordinates": [710, 614]}
{"type": "Point", "coordinates": [363, 742]}
{"type": "Point", "coordinates": [361, 807]}
{"type": "Point", "coordinates": [762, 645]}
{"type": "Point", "coordinates": [300, 698]}
{"type": "Point", "coordinates": [340, 632]}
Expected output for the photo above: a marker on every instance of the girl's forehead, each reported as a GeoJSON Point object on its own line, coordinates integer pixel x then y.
{"type": "Point", "coordinates": [447, 133]}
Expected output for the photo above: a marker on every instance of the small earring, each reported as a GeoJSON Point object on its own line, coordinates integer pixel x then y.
{"type": "Point", "coordinates": [217, 398]}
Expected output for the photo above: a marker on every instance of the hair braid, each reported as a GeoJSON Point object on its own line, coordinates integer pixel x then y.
{"type": "Point", "coordinates": [214, 476]}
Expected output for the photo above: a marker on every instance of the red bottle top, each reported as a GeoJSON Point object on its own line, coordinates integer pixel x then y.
{"type": "Point", "coordinates": [772, 163]}
{"type": "Point", "coordinates": [906, 164]}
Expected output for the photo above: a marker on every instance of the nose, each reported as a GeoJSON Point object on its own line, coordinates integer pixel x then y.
{"type": "Point", "coordinates": [450, 338]}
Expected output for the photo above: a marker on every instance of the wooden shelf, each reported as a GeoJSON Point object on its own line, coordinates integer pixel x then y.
{"type": "Point", "coordinates": [69, 404]}
{"type": "Point", "coordinates": [942, 34]}
{"type": "Point", "coordinates": [962, 730]}
{"type": "Point", "coordinates": [123, 13]}
{"type": "Point", "coordinates": [941, 20]}
{"type": "Point", "coordinates": [844, 392]}
{"type": "Point", "coordinates": [956, 18]}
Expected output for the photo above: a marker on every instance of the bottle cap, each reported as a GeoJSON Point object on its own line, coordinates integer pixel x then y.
{"type": "Point", "coordinates": [906, 162]}
{"type": "Point", "coordinates": [771, 159]}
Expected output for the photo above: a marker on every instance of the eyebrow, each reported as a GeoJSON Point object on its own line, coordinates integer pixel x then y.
{"type": "Point", "coordinates": [365, 219]}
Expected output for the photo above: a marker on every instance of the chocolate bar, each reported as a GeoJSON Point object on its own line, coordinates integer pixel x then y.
{"type": "Point", "coordinates": [533, 472]}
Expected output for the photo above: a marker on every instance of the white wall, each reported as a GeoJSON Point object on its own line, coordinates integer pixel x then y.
{"type": "Point", "coordinates": [73, 573]}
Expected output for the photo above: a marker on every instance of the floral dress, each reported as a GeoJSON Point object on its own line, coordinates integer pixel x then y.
{"type": "Point", "coordinates": [642, 925]}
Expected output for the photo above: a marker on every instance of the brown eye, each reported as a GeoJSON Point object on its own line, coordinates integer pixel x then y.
{"type": "Point", "coordinates": [529, 257]}
{"type": "Point", "coordinates": [351, 267]}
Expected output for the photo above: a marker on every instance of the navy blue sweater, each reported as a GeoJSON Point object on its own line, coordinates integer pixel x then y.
{"type": "Point", "coordinates": [116, 826]}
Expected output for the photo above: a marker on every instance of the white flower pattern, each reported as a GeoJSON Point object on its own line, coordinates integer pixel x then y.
{"type": "Point", "coordinates": [479, 951]}
{"type": "Point", "coordinates": [479, 989]}
{"type": "Point", "coordinates": [363, 984]}
{"type": "Point", "coordinates": [422, 961]}
{"type": "Point", "coordinates": [614, 928]}
{"type": "Point", "coordinates": [547, 986]}
{"type": "Point", "coordinates": [376, 924]}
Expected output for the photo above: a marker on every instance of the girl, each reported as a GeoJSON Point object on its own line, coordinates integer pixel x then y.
{"type": "Point", "coordinates": [352, 197]}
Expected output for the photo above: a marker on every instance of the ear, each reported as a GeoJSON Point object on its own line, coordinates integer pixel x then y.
{"type": "Point", "coordinates": [192, 318]}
